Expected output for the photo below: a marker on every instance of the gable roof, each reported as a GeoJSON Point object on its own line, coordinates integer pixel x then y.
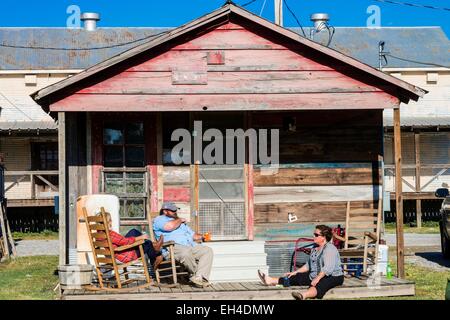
{"type": "Point", "coordinates": [222, 15]}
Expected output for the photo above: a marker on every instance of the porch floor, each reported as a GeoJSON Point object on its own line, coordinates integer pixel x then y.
{"type": "Point", "coordinates": [352, 288]}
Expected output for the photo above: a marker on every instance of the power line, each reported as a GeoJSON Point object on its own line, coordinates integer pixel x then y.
{"type": "Point", "coordinates": [248, 3]}
{"type": "Point", "coordinates": [83, 49]}
{"type": "Point", "coordinates": [417, 5]}
{"type": "Point", "coordinates": [295, 17]}
{"type": "Point", "coordinates": [417, 62]}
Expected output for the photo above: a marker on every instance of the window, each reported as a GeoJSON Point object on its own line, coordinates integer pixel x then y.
{"type": "Point", "coordinates": [124, 172]}
{"type": "Point", "coordinates": [124, 145]}
{"type": "Point", "coordinates": [45, 156]}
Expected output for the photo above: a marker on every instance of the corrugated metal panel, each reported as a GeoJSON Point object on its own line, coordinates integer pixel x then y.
{"type": "Point", "coordinates": [24, 59]}
{"type": "Point", "coordinates": [20, 112]}
{"type": "Point", "coordinates": [418, 43]}
{"type": "Point", "coordinates": [17, 158]}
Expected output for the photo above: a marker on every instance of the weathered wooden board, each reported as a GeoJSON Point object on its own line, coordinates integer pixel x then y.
{"type": "Point", "coordinates": [305, 212]}
{"type": "Point", "coordinates": [176, 175]}
{"type": "Point", "coordinates": [235, 60]}
{"type": "Point", "coordinates": [316, 194]}
{"type": "Point", "coordinates": [322, 176]}
{"type": "Point", "coordinates": [177, 194]}
{"type": "Point", "coordinates": [223, 102]}
{"type": "Point", "coordinates": [225, 82]}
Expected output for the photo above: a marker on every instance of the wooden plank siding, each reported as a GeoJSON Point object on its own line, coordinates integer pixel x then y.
{"type": "Point", "coordinates": [256, 71]}
{"type": "Point", "coordinates": [323, 164]}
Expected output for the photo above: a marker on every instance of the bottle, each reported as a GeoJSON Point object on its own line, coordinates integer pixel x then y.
{"type": "Point", "coordinates": [388, 271]}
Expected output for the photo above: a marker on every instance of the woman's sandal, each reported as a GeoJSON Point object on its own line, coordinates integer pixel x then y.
{"type": "Point", "coordinates": [262, 276]}
{"type": "Point", "coordinates": [298, 295]}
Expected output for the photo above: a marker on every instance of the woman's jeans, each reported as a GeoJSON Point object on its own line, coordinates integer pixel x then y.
{"type": "Point", "coordinates": [147, 246]}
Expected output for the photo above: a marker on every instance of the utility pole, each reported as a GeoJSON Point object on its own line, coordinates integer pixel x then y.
{"type": "Point", "coordinates": [278, 4]}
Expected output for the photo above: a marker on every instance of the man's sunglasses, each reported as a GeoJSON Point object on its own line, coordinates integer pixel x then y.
{"type": "Point", "coordinates": [317, 235]}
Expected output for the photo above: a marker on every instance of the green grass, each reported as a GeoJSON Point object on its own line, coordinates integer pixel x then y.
{"type": "Point", "coordinates": [44, 235]}
{"type": "Point", "coordinates": [427, 227]}
{"type": "Point", "coordinates": [430, 284]}
{"type": "Point", "coordinates": [28, 278]}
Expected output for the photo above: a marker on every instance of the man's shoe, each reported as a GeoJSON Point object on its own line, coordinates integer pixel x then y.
{"type": "Point", "coordinates": [198, 282]}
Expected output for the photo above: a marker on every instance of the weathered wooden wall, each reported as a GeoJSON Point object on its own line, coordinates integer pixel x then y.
{"type": "Point", "coordinates": [329, 159]}
{"type": "Point", "coordinates": [232, 67]}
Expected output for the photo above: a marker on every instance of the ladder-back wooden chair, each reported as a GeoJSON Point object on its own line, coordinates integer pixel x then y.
{"type": "Point", "coordinates": [112, 274]}
{"type": "Point", "coordinates": [168, 268]}
{"type": "Point", "coordinates": [362, 237]}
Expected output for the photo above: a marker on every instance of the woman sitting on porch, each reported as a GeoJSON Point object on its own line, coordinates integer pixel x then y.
{"type": "Point", "coordinates": [321, 273]}
{"type": "Point", "coordinates": [151, 249]}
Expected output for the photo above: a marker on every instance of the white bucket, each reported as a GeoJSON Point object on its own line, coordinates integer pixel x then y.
{"type": "Point", "coordinates": [75, 276]}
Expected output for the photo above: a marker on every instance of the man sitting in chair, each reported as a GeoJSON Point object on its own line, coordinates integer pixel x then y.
{"type": "Point", "coordinates": [195, 257]}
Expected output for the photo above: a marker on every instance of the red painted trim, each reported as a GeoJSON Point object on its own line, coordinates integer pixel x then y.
{"type": "Point", "coordinates": [177, 194]}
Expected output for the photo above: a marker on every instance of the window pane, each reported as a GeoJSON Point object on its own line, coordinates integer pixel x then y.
{"type": "Point", "coordinates": [134, 156]}
{"type": "Point", "coordinates": [135, 182]}
{"type": "Point", "coordinates": [135, 208]}
{"type": "Point", "coordinates": [113, 157]}
{"type": "Point", "coordinates": [135, 133]}
{"type": "Point", "coordinates": [113, 134]}
{"type": "Point", "coordinates": [114, 183]}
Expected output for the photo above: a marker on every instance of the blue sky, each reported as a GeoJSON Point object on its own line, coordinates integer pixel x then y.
{"type": "Point", "coordinates": [52, 13]}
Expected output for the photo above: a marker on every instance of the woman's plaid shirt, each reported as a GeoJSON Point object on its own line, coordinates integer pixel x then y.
{"type": "Point", "coordinates": [118, 240]}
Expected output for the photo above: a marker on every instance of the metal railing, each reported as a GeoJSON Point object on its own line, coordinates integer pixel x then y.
{"type": "Point", "coordinates": [34, 176]}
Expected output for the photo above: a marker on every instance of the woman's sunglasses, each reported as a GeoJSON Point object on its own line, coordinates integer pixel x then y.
{"type": "Point", "coordinates": [317, 235]}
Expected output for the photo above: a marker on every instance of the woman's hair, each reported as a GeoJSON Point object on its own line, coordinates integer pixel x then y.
{"type": "Point", "coordinates": [326, 231]}
{"type": "Point", "coordinates": [107, 215]}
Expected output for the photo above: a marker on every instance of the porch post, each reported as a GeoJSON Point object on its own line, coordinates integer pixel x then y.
{"type": "Point", "coordinates": [417, 158]}
{"type": "Point", "coordinates": [62, 187]}
{"type": "Point", "coordinates": [398, 194]}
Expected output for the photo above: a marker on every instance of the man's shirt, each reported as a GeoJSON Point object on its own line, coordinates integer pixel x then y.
{"type": "Point", "coordinates": [183, 235]}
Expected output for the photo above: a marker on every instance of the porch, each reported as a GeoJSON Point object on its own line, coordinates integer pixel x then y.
{"type": "Point", "coordinates": [352, 288]}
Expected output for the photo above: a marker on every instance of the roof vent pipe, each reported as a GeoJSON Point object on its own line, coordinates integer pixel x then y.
{"type": "Point", "coordinates": [90, 20]}
{"type": "Point", "coordinates": [320, 22]}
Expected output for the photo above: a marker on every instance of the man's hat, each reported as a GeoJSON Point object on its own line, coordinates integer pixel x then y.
{"type": "Point", "coordinates": [169, 206]}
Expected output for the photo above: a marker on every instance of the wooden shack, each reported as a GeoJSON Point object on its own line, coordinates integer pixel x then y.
{"type": "Point", "coordinates": [229, 69]}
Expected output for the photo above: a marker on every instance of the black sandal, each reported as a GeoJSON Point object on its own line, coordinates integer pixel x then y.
{"type": "Point", "coordinates": [297, 295]}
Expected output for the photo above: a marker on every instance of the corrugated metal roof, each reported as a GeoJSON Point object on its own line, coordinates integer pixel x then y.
{"type": "Point", "coordinates": [428, 44]}
{"type": "Point", "coordinates": [419, 121]}
{"type": "Point", "coordinates": [20, 112]}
